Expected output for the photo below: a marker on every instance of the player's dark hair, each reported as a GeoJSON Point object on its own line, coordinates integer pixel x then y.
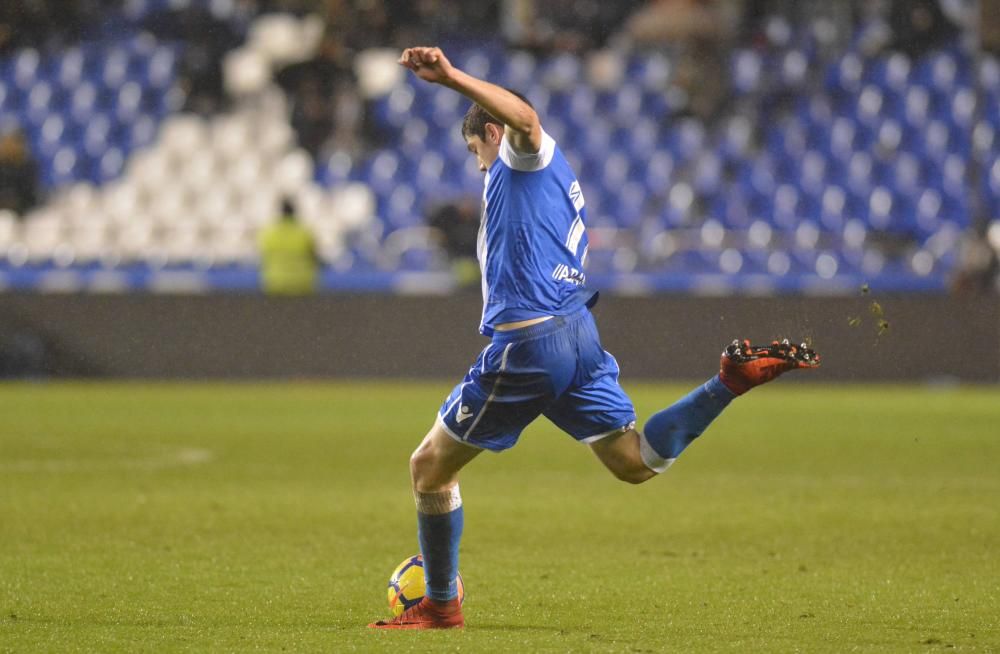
{"type": "Point", "coordinates": [476, 118]}
{"type": "Point", "coordinates": [287, 208]}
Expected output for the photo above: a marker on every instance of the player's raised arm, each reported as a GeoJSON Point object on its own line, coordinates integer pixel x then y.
{"type": "Point", "coordinates": [524, 131]}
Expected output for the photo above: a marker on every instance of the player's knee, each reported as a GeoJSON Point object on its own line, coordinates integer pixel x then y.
{"type": "Point", "coordinates": [633, 474]}
{"type": "Point", "coordinates": [419, 463]}
{"type": "Point", "coordinates": [424, 470]}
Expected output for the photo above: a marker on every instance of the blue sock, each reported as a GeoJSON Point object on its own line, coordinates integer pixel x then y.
{"type": "Point", "coordinates": [439, 535]}
{"type": "Point", "coordinates": [668, 432]}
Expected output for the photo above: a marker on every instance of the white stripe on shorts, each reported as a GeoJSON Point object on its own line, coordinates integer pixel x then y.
{"type": "Point", "coordinates": [493, 393]}
{"type": "Point", "coordinates": [444, 426]}
{"type": "Point", "coordinates": [619, 430]}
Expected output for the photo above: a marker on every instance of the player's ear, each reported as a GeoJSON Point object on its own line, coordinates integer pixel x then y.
{"type": "Point", "coordinates": [494, 132]}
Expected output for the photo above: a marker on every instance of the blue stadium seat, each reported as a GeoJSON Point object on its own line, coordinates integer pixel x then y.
{"type": "Point", "coordinates": [430, 169]}
{"type": "Point", "coordinates": [50, 138]}
{"type": "Point", "coordinates": [615, 169]}
{"type": "Point", "coordinates": [63, 168]}
{"type": "Point", "coordinates": [561, 71]}
{"type": "Point", "coordinates": [96, 135]}
{"type": "Point", "coordinates": [625, 104]}
{"type": "Point", "coordinates": [39, 102]}
{"type": "Point", "coordinates": [397, 107]}
{"type": "Point", "coordinates": [653, 71]}
{"type": "Point", "coordinates": [888, 137]}
{"type": "Point", "coordinates": [114, 67]}
{"type": "Point", "coordinates": [383, 171]}
{"type": "Point", "coordinates": [110, 166]}
{"type": "Point", "coordinates": [746, 71]}
{"type": "Point", "coordinates": [476, 63]}
{"type": "Point", "coordinates": [941, 71]}
{"type": "Point", "coordinates": [961, 111]}
{"type": "Point", "coordinates": [69, 68]}
{"type": "Point", "coordinates": [628, 205]}
{"type": "Point", "coordinates": [659, 172]}
{"type": "Point", "coordinates": [686, 139]}
{"type": "Point", "coordinates": [519, 70]}
{"type": "Point", "coordinates": [577, 108]}
{"type": "Point", "coordinates": [785, 213]}
{"type": "Point", "coordinates": [707, 175]}
{"type": "Point", "coordinates": [26, 67]}
{"type": "Point", "coordinates": [339, 169]}
{"type": "Point", "coordinates": [732, 209]}
{"type": "Point", "coordinates": [691, 262]}
{"type": "Point", "coordinates": [128, 102]}
{"type": "Point", "coordinates": [891, 74]}
{"type": "Point", "coordinates": [160, 69]}
{"type": "Point", "coordinates": [906, 175]}
{"type": "Point", "coordinates": [596, 141]}
{"type": "Point", "coordinates": [401, 208]}
{"type": "Point", "coordinates": [846, 74]}
{"type": "Point", "coordinates": [140, 134]}
{"type": "Point", "coordinates": [83, 103]}
{"type": "Point", "coordinates": [736, 139]}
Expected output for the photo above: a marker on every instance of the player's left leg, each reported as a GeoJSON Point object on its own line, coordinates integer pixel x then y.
{"type": "Point", "coordinates": [435, 464]}
{"type": "Point", "coordinates": [620, 453]}
{"type": "Point", "coordinates": [434, 468]}
{"type": "Point", "coordinates": [636, 456]}
{"type": "Point", "coordinates": [503, 391]}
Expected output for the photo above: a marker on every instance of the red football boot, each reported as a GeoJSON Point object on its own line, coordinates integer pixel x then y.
{"type": "Point", "coordinates": [428, 614]}
{"type": "Point", "coordinates": [744, 366]}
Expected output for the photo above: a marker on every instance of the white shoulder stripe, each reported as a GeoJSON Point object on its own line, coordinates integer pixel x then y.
{"type": "Point", "coordinates": [528, 161]}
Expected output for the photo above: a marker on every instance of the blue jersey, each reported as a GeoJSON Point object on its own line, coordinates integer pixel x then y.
{"type": "Point", "coordinates": [532, 240]}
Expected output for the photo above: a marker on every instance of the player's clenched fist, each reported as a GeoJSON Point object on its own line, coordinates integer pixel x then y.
{"type": "Point", "coordinates": [429, 64]}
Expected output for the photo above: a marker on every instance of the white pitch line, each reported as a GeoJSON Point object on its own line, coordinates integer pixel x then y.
{"type": "Point", "coordinates": [186, 456]}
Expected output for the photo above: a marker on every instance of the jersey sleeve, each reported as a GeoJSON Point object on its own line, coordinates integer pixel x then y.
{"type": "Point", "coordinates": [527, 161]}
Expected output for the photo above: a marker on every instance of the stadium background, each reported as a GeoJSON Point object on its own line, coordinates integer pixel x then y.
{"type": "Point", "coordinates": [753, 167]}
{"type": "Point", "coordinates": [842, 154]}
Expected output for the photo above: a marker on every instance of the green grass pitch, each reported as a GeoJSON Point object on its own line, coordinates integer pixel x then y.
{"type": "Point", "coordinates": [253, 517]}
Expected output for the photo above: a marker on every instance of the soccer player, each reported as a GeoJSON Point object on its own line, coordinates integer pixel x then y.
{"type": "Point", "coordinates": [545, 356]}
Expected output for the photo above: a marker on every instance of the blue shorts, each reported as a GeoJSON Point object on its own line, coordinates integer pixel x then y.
{"type": "Point", "coordinates": [556, 368]}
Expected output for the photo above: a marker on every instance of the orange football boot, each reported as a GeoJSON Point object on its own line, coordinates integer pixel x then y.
{"type": "Point", "coordinates": [428, 614]}
{"type": "Point", "coordinates": [744, 366]}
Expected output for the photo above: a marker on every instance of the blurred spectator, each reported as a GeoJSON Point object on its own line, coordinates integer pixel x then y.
{"type": "Point", "coordinates": [458, 225]}
{"type": "Point", "coordinates": [206, 41]}
{"type": "Point", "coordinates": [989, 24]}
{"type": "Point", "coordinates": [289, 262]}
{"type": "Point", "coordinates": [328, 112]}
{"type": "Point", "coordinates": [401, 23]}
{"type": "Point", "coordinates": [44, 23]}
{"type": "Point", "coordinates": [564, 25]}
{"type": "Point", "coordinates": [296, 7]}
{"type": "Point", "coordinates": [18, 174]}
{"type": "Point", "coordinates": [8, 31]}
{"type": "Point", "coordinates": [326, 106]}
{"type": "Point", "coordinates": [919, 26]}
{"type": "Point", "coordinates": [312, 115]}
{"type": "Point", "coordinates": [699, 31]}
{"type": "Point", "coordinates": [977, 270]}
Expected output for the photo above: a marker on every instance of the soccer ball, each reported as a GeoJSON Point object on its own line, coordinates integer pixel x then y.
{"type": "Point", "coordinates": [406, 585]}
